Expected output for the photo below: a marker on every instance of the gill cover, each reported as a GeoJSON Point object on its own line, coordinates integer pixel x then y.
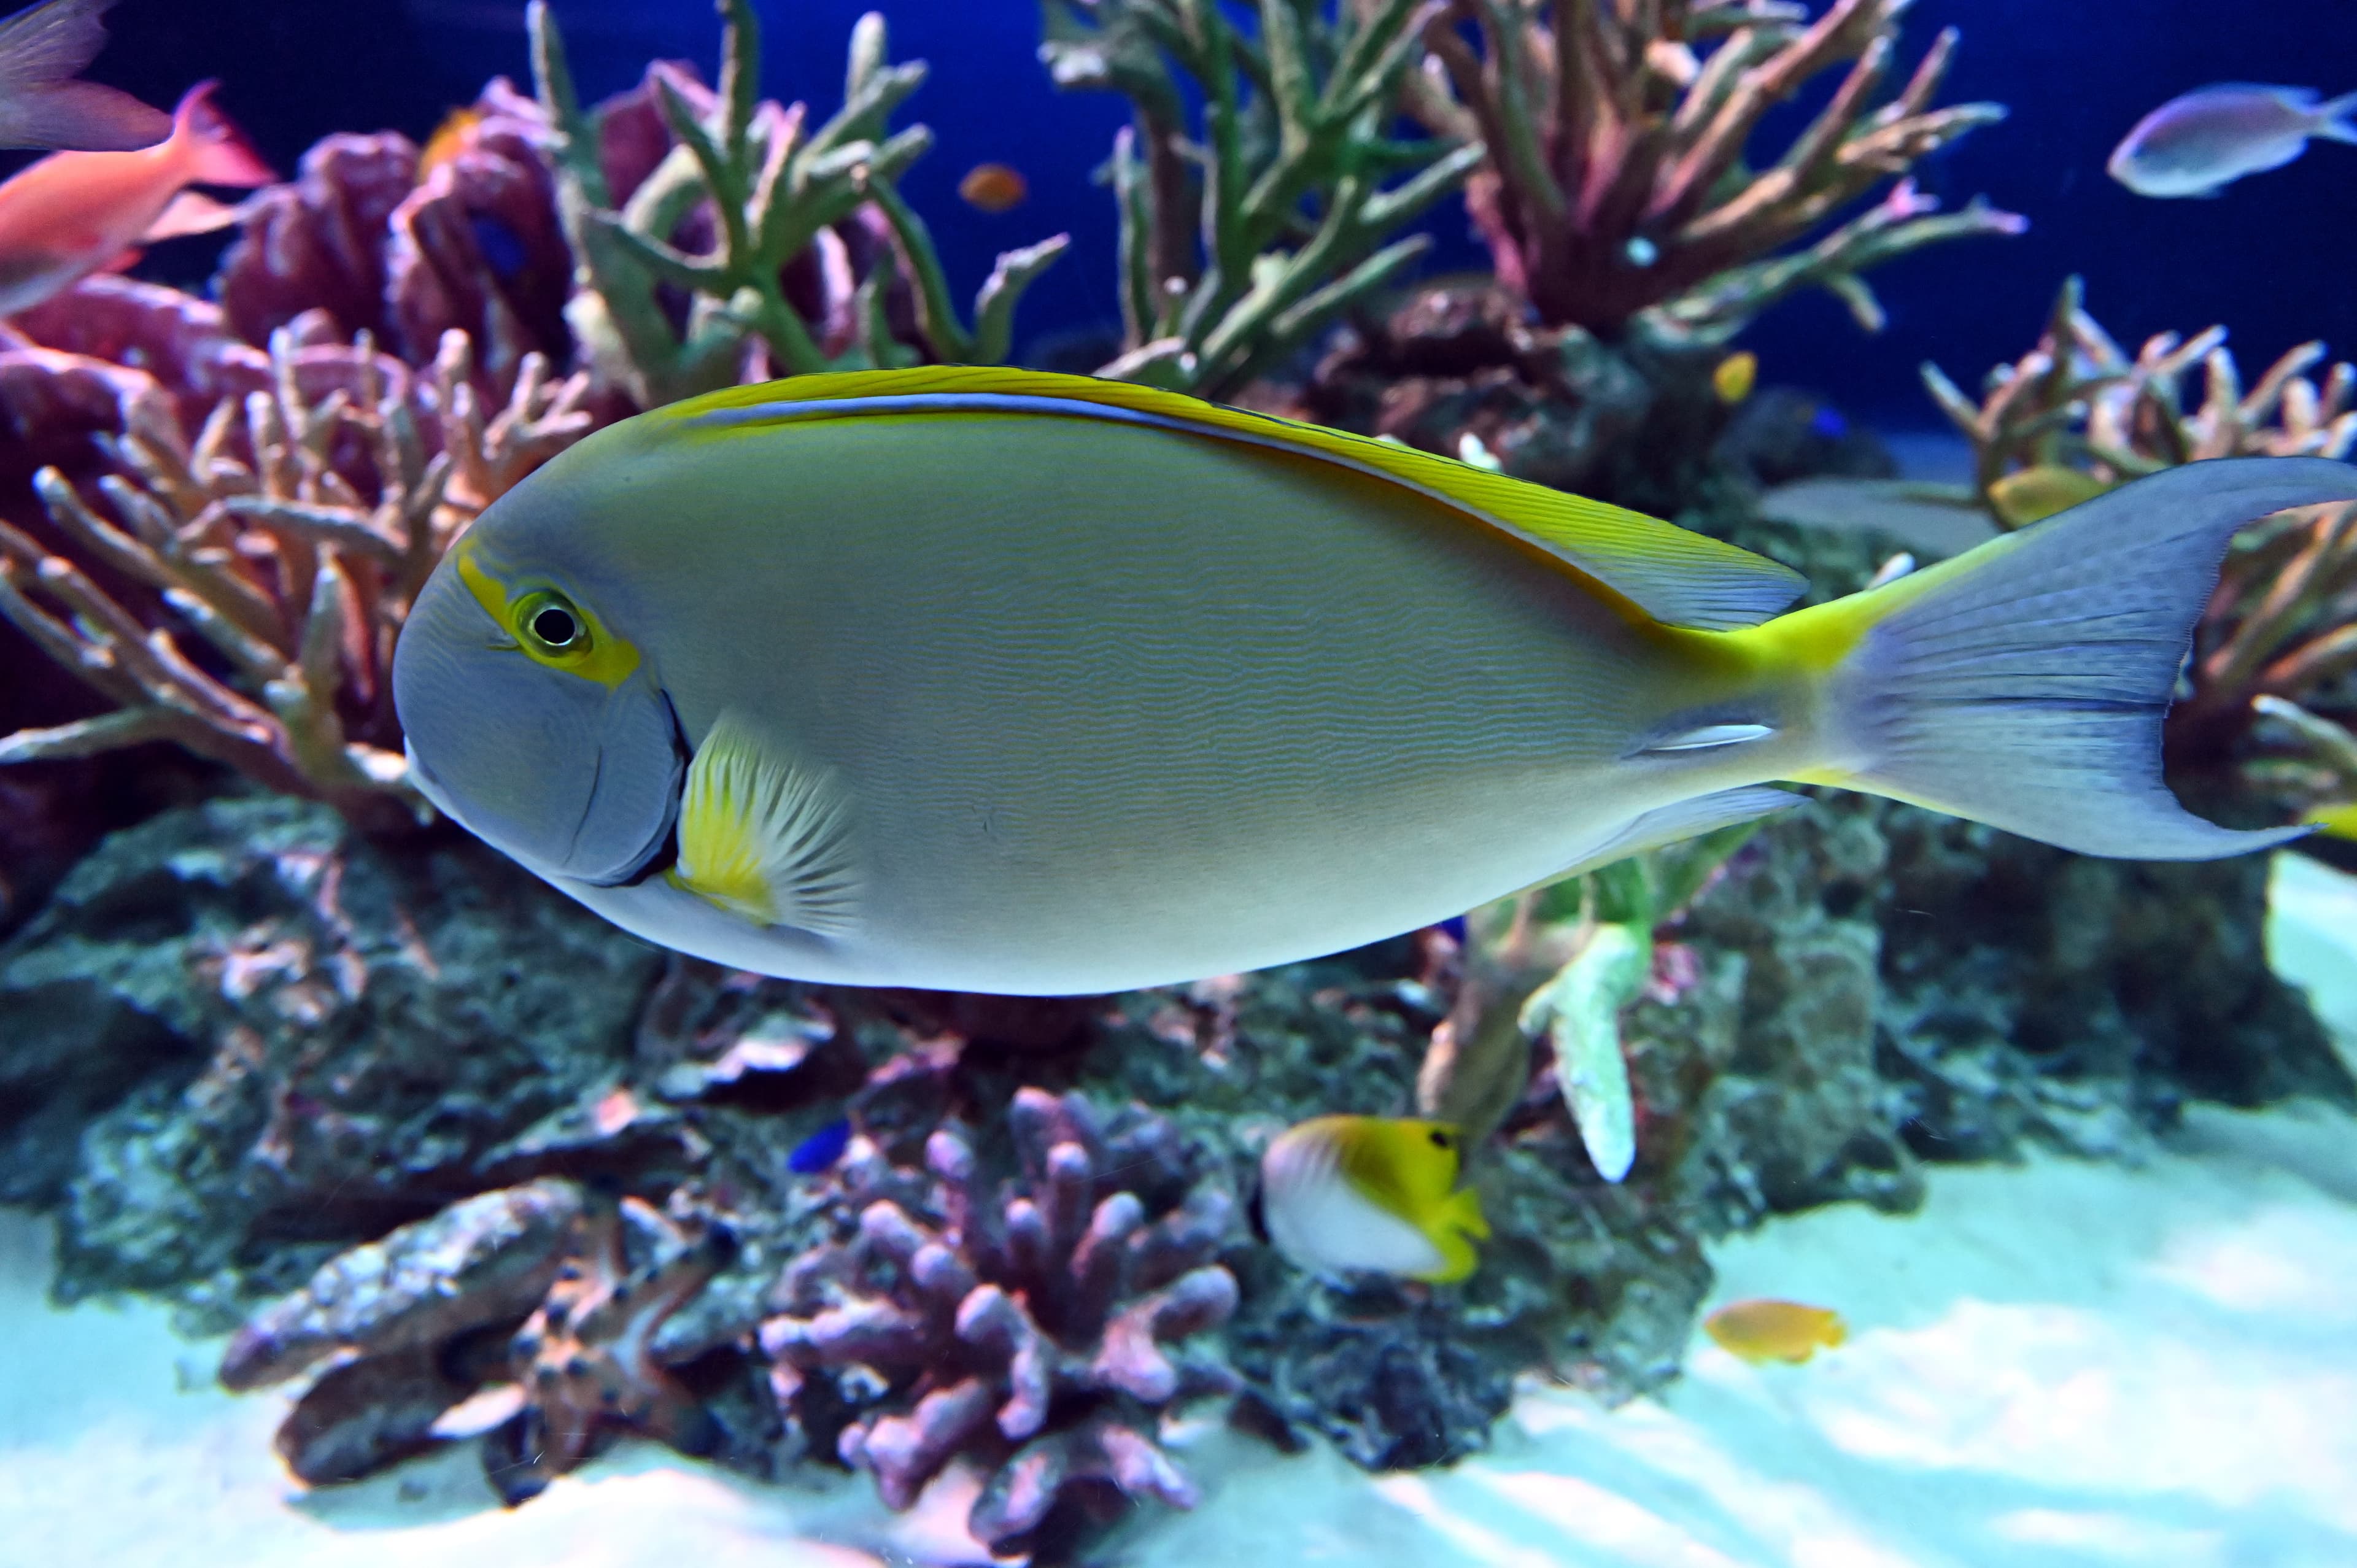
{"type": "Point", "coordinates": [534, 725]}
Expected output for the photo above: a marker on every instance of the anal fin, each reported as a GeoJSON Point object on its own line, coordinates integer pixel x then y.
{"type": "Point", "coordinates": [1682, 820]}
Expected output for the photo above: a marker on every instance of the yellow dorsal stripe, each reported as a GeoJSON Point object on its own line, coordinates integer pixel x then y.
{"type": "Point", "coordinates": [1678, 577]}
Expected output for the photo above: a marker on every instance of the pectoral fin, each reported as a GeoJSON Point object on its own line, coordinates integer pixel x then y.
{"type": "Point", "coordinates": [190, 212]}
{"type": "Point", "coordinates": [767, 835]}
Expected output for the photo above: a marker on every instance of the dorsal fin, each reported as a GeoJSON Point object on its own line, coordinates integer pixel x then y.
{"type": "Point", "coordinates": [1673, 575]}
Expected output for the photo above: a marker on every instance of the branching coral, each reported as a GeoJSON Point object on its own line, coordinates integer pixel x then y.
{"type": "Point", "coordinates": [2078, 399]}
{"type": "Point", "coordinates": [1617, 190]}
{"type": "Point", "coordinates": [283, 545]}
{"type": "Point", "coordinates": [2278, 643]}
{"type": "Point", "coordinates": [1024, 1326]}
{"type": "Point", "coordinates": [767, 191]}
{"type": "Point", "coordinates": [1237, 246]}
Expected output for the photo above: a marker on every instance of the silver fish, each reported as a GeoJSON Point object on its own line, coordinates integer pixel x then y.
{"type": "Point", "coordinates": [2199, 144]}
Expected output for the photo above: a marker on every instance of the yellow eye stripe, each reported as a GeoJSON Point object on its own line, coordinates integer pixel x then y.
{"type": "Point", "coordinates": [594, 653]}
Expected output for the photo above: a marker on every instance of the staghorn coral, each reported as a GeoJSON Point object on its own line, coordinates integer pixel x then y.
{"type": "Point", "coordinates": [1617, 193]}
{"type": "Point", "coordinates": [2270, 704]}
{"type": "Point", "coordinates": [766, 191]}
{"type": "Point", "coordinates": [1022, 1324]}
{"type": "Point", "coordinates": [1240, 244]}
{"type": "Point", "coordinates": [2078, 399]}
{"type": "Point", "coordinates": [286, 539]}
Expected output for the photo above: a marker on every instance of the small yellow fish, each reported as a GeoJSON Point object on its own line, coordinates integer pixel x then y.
{"type": "Point", "coordinates": [2029, 495]}
{"type": "Point", "coordinates": [1369, 1194]}
{"type": "Point", "coordinates": [2337, 822]}
{"type": "Point", "coordinates": [453, 136]}
{"type": "Point", "coordinates": [992, 187]}
{"type": "Point", "coordinates": [1736, 376]}
{"type": "Point", "coordinates": [1763, 1329]}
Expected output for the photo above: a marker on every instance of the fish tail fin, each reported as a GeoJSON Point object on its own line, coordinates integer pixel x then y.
{"type": "Point", "coordinates": [2336, 118]}
{"type": "Point", "coordinates": [1455, 1227]}
{"type": "Point", "coordinates": [2023, 683]}
{"type": "Point", "coordinates": [217, 151]}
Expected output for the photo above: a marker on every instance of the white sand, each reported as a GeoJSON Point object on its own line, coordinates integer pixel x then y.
{"type": "Point", "coordinates": [2054, 1365]}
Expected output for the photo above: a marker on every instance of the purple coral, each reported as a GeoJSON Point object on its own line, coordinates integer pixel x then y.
{"type": "Point", "coordinates": [1027, 1324]}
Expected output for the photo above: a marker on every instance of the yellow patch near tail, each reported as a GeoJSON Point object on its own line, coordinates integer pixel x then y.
{"type": "Point", "coordinates": [765, 837]}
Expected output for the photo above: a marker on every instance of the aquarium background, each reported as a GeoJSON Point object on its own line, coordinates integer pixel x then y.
{"type": "Point", "coordinates": [1864, 1184]}
{"type": "Point", "coordinates": [2264, 258]}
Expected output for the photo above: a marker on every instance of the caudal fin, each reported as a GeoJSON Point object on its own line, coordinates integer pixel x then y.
{"type": "Point", "coordinates": [217, 151]}
{"type": "Point", "coordinates": [2023, 684]}
{"type": "Point", "coordinates": [41, 106]}
{"type": "Point", "coordinates": [2336, 120]}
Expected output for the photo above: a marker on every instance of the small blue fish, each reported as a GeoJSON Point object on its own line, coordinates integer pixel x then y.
{"type": "Point", "coordinates": [2199, 144]}
{"type": "Point", "coordinates": [818, 1153]}
{"type": "Point", "coordinates": [503, 250]}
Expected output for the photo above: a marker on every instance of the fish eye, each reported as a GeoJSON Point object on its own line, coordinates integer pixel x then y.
{"type": "Point", "coordinates": [1441, 1139]}
{"type": "Point", "coordinates": [547, 624]}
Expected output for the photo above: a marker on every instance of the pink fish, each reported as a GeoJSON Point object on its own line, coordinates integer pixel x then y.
{"type": "Point", "coordinates": [2199, 144]}
{"type": "Point", "coordinates": [72, 214]}
{"type": "Point", "coordinates": [41, 104]}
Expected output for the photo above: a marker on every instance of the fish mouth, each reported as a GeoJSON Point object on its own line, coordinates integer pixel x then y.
{"type": "Point", "coordinates": [662, 849]}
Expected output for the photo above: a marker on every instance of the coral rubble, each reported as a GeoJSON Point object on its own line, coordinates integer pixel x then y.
{"type": "Point", "coordinates": [244, 1037]}
{"type": "Point", "coordinates": [1027, 1322]}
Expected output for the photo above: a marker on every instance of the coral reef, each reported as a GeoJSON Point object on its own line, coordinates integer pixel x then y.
{"type": "Point", "coordinates": [1240, 242]}
{"type": "Point", "coordinates": [241, 1037]}
{"type": "Point", "coordinates": [2269, 721]}
{"type": "Point", "coordinates": [1616, 196]}
{"type": "Point", "coordinates": [1021, 1322]}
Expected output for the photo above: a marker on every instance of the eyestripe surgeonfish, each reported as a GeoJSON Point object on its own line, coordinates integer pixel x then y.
{"type": "Point", "coordinates": [998, 680]}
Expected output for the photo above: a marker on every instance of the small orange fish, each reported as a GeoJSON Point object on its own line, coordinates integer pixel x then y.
{"type": "Point", "coordinates": [453, 136]}
{"type": "Point", "coordinates": [72, 214]}
{"type": "Point", "coordinates": [1763, 1329]}
{"type": "Point", "coordinates": [1735, 376]}
{"type": "Point", "coordinates": [992, 187]}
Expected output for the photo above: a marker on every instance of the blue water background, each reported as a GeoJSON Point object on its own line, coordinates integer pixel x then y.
{"type": "Point", "coordinates": [2270, 258]}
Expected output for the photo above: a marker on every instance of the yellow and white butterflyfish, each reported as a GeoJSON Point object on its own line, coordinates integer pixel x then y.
{"type": "Point", "coordinates": [1343, 1195]}
{"type": "Point", "coordinates": [993, 679]}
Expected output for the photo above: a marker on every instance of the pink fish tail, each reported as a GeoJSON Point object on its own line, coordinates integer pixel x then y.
{"type": "Point", "coordinates": [217, 151]}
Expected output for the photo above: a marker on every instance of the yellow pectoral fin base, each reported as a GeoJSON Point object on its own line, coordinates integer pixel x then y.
{"type": "Point", "coordinates": [764, 836]}
{"type": "Point", "coordinates": [1677, 576]}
